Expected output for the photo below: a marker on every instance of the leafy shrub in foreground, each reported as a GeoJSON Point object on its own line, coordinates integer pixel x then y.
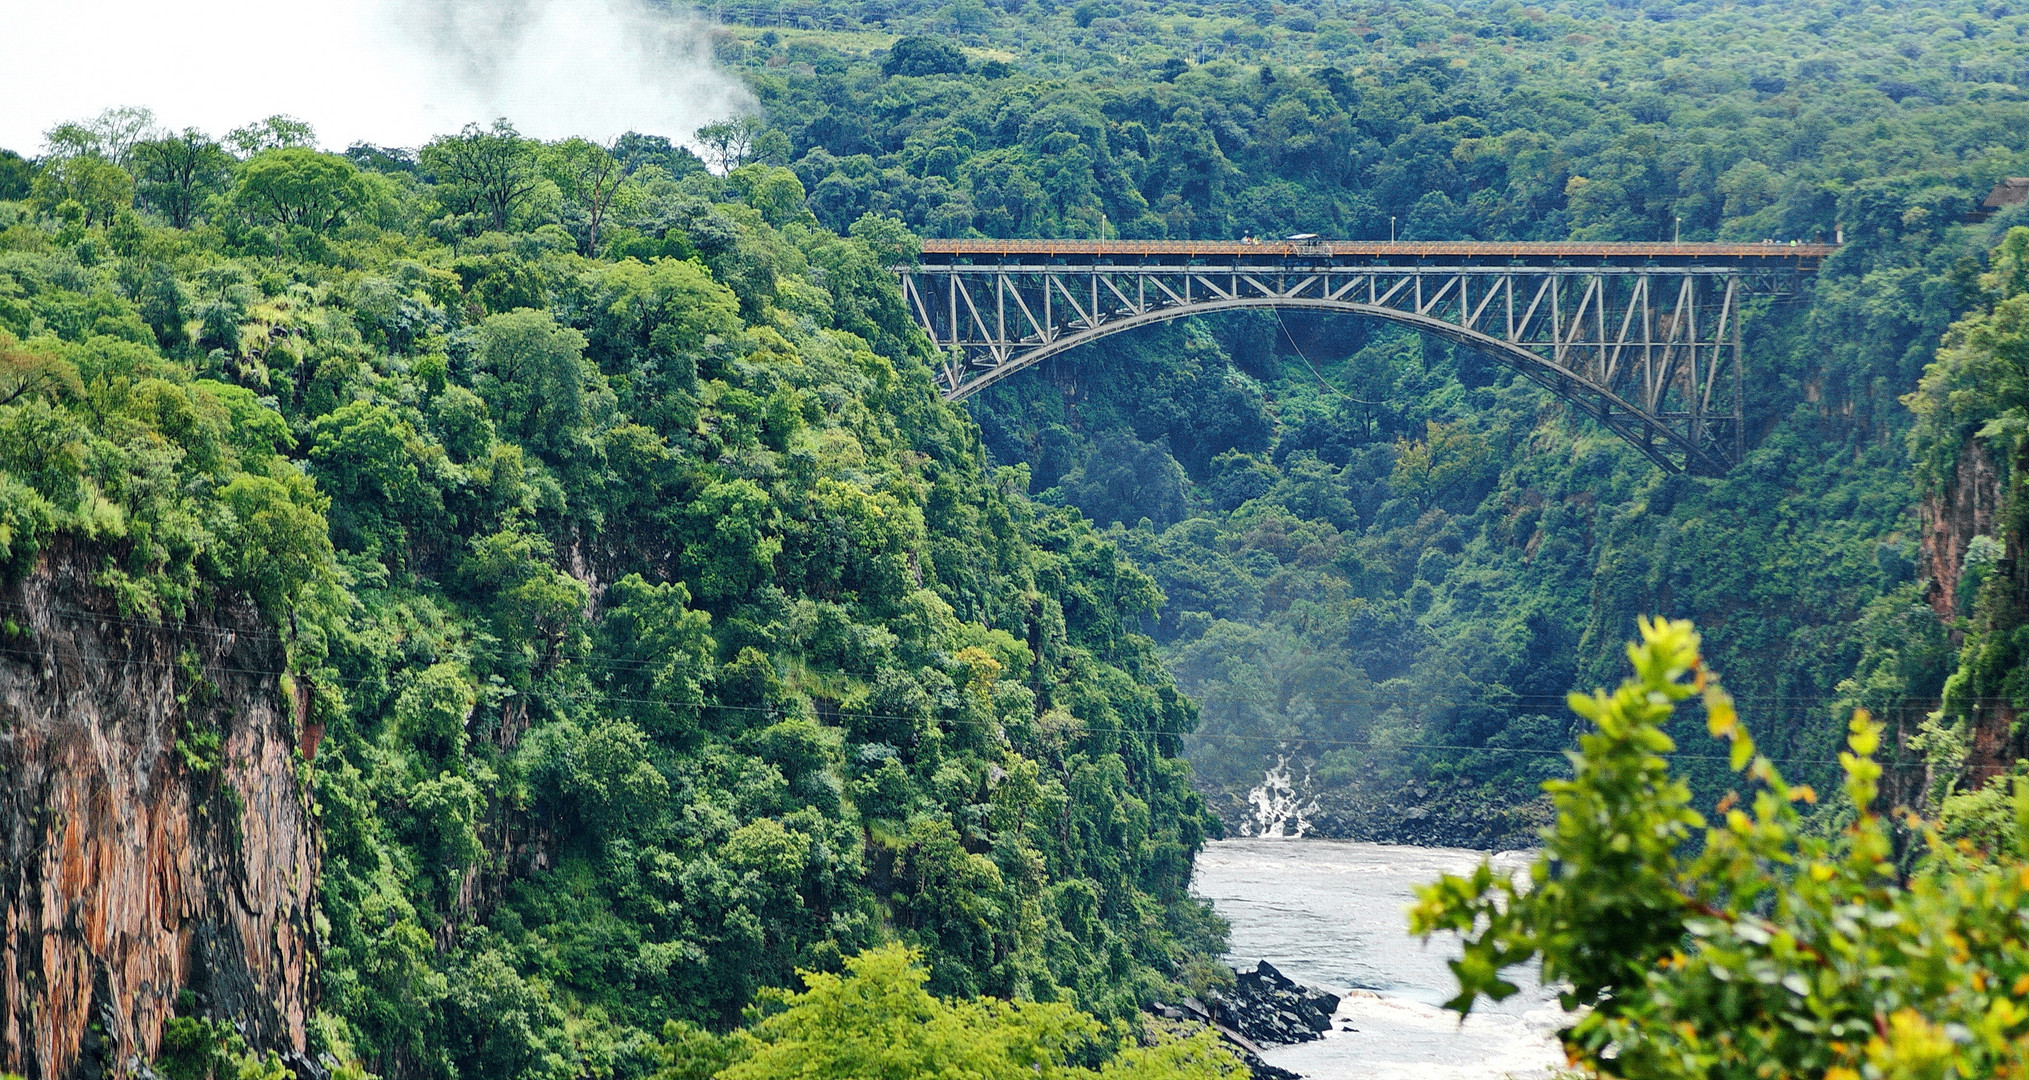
{"type": "Point", "coordinates": [1765, 950]}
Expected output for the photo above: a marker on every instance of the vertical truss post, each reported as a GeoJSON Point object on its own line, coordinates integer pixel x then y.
{"type": "Point", "coordinates": [1739, 384]}
{"type": "Point", "coordinates": [1657, 376]}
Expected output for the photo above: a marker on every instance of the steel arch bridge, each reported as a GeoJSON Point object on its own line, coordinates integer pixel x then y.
{"type": "Point", "coordinates": [1644, 338]}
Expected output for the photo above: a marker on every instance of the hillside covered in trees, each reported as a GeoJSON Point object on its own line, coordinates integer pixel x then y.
{"type": "Point", "coordinates": [664, 631]}
{"type": "Point", "coordinates": [1388, 557]}
{"type": "Point", "coordinates": [660, 633]}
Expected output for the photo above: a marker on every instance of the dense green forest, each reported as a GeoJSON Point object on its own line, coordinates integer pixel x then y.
{"type": "Point", "coordinates": [1383, 558]}
{"type": "Point", "coordinates": [668, 634]}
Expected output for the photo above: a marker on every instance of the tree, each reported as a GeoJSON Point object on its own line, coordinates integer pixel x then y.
{"type": "Point", "coordinates": [1756, 945]}
{"type": "Point", "coordinates": [110, 135]}
{"type": "Point", "coordinates": [662, 655]}
{"type": "Point", "coordinates": [486, 170]}
{"type": "Point", "coordinates": [727, 143]}
{"type": "Point", "coordinates": [588, 175]}
{"type": "Point", "coordinates": [380, 472]}
{"type": "Point", "coordinates": [775, 192]}
{"type": "Point", "coordinates": [278, 132]}
{"type": "Point", "coordinates": [1448, 458]}
{"type": "Point", "coordinates": [923, 56]}
{"type": "Point", "coordinates": [177, 172]}
{"type": "Point", "coordinates": [877, 1021]}
{"type": "Point", "coordinates": [15, 175]}
{"type": "Point", "coordinates": [297, 186]}
{"type": "Point", "coordinates": [99, 188]}
{"type": "Point", "coordinates": [27, 372]}
{"type": "Point", "coordinates": [276, 546]}
{"type": "Point", "coordinates": [536, 380]}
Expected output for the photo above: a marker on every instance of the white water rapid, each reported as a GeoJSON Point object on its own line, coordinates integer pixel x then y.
{"type": "Point", "coordinates": [1280, 808]}
{"type": "Point", "coordinates": [1332, 913]}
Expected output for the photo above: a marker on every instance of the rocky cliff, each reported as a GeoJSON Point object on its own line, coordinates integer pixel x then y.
{"type": "Point", "coordinates": [155, 837]}
{"type": "Point", "coordinates": [1971, 506]}
{"type": "Point", "coordinates": [1952, 518]}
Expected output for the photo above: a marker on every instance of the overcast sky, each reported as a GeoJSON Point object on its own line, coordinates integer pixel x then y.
{"type": "Point", "coordinates": [392, 72]}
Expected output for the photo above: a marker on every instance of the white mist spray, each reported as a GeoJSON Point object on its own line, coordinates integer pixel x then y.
{"type": "Point", "coordinates": [393, 72]}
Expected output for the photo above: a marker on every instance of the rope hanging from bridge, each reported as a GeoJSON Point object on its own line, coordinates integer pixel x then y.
{"type": "Point", "coordinates": [1313, 367]}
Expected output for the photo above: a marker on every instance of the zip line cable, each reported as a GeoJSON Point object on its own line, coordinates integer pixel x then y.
{"type": "Point", "coordinates": [1319, 375]}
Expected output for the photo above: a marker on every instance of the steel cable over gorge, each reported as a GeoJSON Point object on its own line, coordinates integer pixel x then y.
{"type": "Point", "coordinates": [1644, 338]}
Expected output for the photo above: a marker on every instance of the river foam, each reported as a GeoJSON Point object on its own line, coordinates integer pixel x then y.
{"type": "Point", "coordinates": [1332, 913]}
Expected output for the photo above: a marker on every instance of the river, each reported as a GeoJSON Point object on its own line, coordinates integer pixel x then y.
{"type": "Point", "coordinates": [1331, 913]}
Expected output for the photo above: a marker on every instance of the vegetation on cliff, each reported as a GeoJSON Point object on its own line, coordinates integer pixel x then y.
{"type": "Point", "coordinates": [1383, 558]}
{"type": "Point", "coordinates": [664, 633]}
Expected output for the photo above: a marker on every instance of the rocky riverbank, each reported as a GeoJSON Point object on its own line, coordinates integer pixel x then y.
{"type": "Point", "coordinates": [1272, 1009]}
{"type": "Point", "coordinates": [1264, 1007]}
{"type": "Point", "coordinates": [1419, 815]}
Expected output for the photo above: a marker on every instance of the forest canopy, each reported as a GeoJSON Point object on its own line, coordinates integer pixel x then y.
{"type": "Point", "coordinates": [679, 653]}
{"type": "Point", "coordinates": [667, 634]}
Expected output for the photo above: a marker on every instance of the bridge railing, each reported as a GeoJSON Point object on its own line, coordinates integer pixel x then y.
{"type": "Point", "coordinates": [1790, 256]}
{"type": "Point", "coordinates": [1647, 345]}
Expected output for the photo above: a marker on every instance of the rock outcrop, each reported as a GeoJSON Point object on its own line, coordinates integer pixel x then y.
{"type": "Point", "coordinates": [1264, 1008]}
{"type": "Point", "coordinates": [155, 836]}
{"type": "Point", "coordinates": [1272, 1009]}
{"type": "Point", "coordinates": [1968, 508]}
{"type": "Point", "coordinates": [1952, 518]}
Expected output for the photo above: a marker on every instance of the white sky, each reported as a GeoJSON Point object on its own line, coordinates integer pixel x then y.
{"type": "Point", "coordinates": [392, 72]}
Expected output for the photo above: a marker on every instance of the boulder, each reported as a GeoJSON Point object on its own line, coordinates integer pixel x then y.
{"type": "Point", "coordinates": [1270, 1008]}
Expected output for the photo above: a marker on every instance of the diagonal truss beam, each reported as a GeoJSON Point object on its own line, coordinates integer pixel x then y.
{"type": "Point", "coordinates": [1650, 352]}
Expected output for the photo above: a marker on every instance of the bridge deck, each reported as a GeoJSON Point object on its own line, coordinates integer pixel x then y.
{"type": "Point", "coordinates": [1447, 252]}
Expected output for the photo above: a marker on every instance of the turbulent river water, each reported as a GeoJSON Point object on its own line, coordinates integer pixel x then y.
{"type": "Point", "coordinates": [1331, 913]}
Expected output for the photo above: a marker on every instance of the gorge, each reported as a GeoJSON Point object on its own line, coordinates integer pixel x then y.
{"type": "Point", "coordinates": [531, 608]}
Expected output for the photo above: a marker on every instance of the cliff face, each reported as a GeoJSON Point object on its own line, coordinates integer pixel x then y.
{"type": "Point", "coordinates": [154, 837]}
{"type": "Point", "coordinates": [1973, 506]}
{"type": "Point", "coordinates": [1951, 520]}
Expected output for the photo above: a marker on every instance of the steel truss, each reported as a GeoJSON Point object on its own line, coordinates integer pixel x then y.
{"type": "Point", "coordinates": [1653, 353]}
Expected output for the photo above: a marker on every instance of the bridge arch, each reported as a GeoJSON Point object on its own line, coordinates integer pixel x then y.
{"type": "Point", "coordinates": [1644, 338]}
{"type": "Point", "coordinates": [1598, 402]}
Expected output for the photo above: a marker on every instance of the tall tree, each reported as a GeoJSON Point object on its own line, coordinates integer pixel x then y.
{"type": "Point", "coordinates": [111, 135]}
{"type": "Point", "coordinates": [296, 186]}
{"type": "Point", "coordinates": [588, 175]}
{"type": "Point", "coordinates": [728, 143]}
{"type": "Point", "coordinates": [15, 174]}
{"type": "Point", "coordinates": [277, 132]}
{"type": "Point", "coordinates": [484, 169]}
{"type": "Point", "coordinates": [176, 172]}
{"type": "Point", "coordinates": [95, 184]}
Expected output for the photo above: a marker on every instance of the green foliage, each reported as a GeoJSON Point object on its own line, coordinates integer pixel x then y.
{"type": "Point", "coordinates": [1754, 946]}
{"type": "Point", "coordinates": [671, 636]}
{"type": "Point", "coordinates": [590, 179]}
{"type": "Point", "coordinates": [668, 633]}
{"type": "Point", "coordinates": [298, 186]}
{"type": "Point", "coordinates": [923, 56]}
{"type": "Point", "coordinates": [877, 1020]}
{"type": "Point", "coordinates": [1973, 404]}
{"type": "Point", "coordinates": [197, 1048]}
{"type": "Point", "coordinates": [176, 173]}
{"type": "Point", "coordinates": [1410, 647]}
{"type": "Point", "coordinates": [486, 171]}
